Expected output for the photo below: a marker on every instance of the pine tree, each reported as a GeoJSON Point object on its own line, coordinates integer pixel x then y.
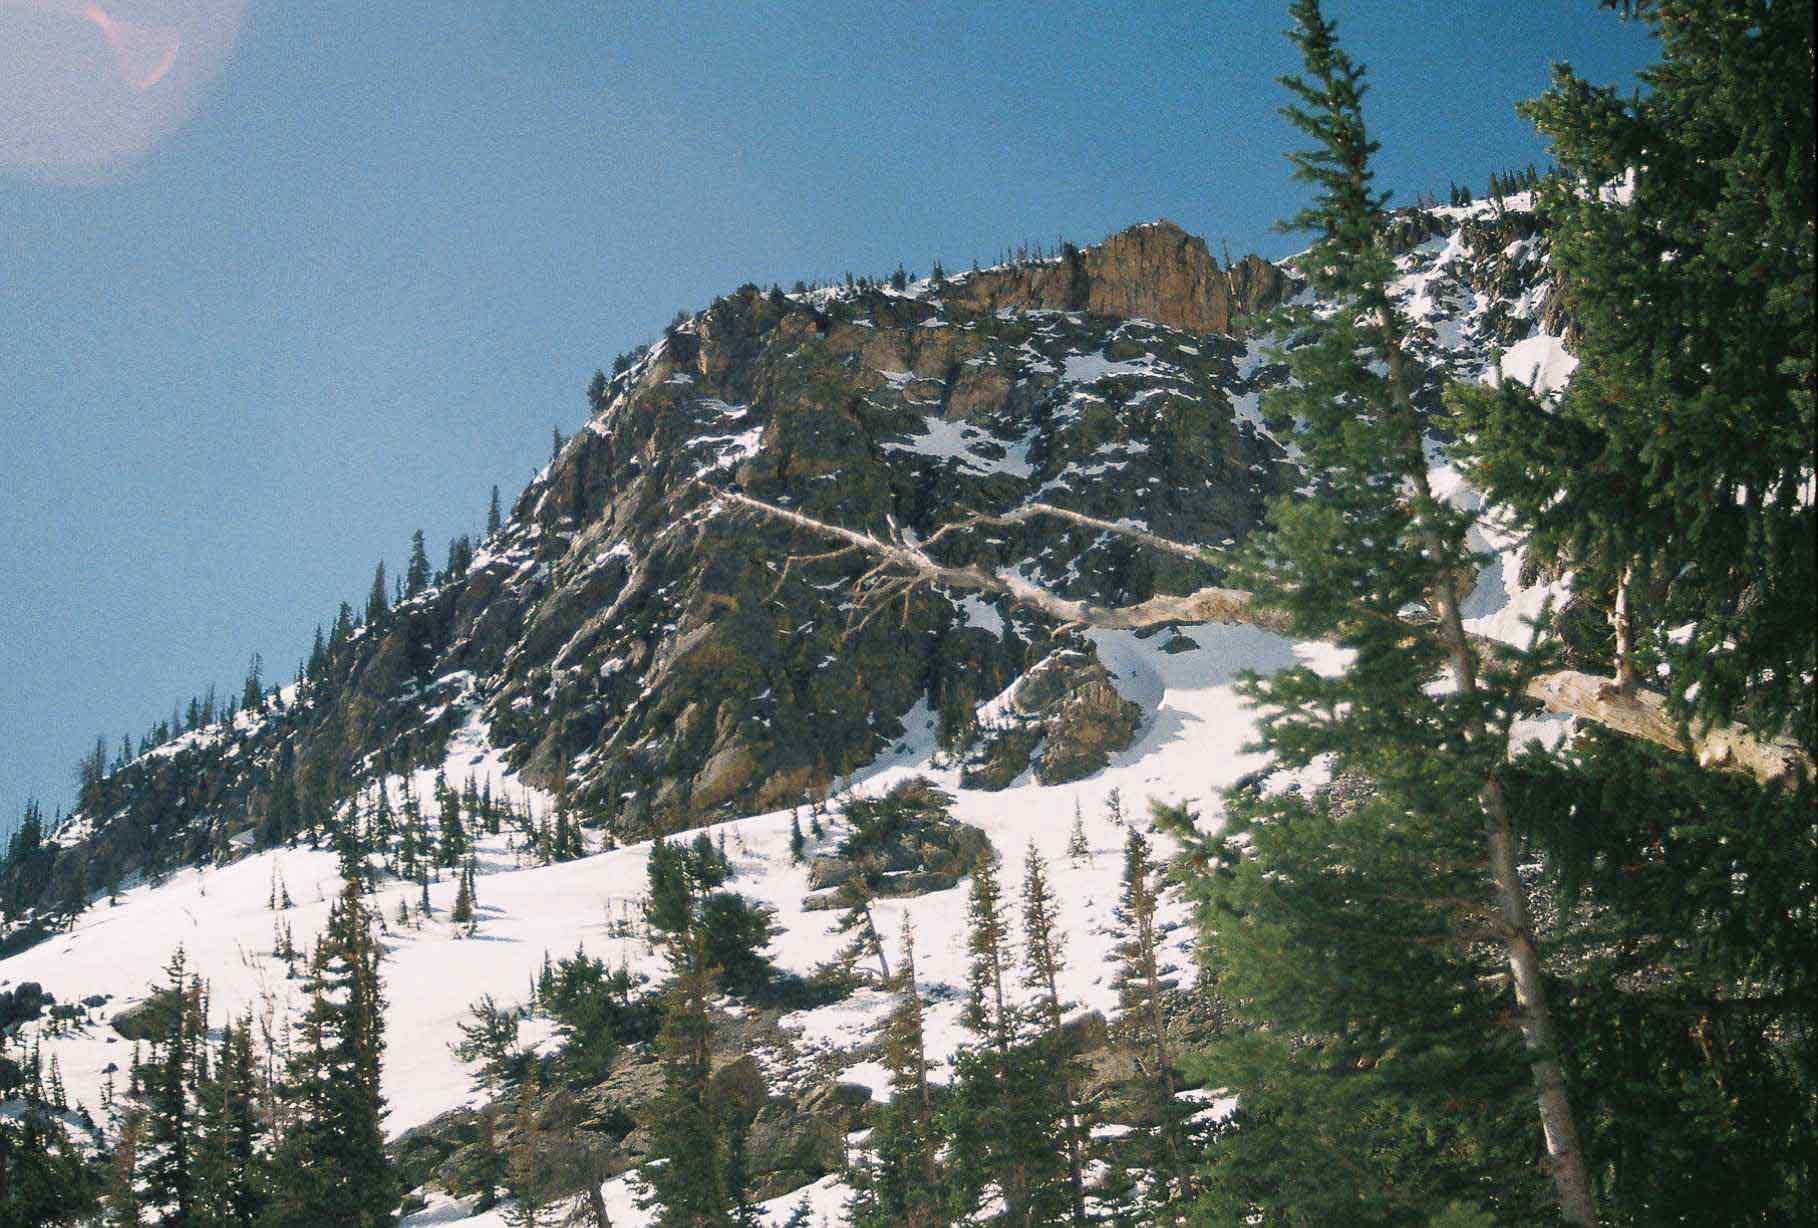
{"type": "Point", "coordinates": [493, 518]}
{"type": "Point", "coordinates": [377, 604]}
{"type": "Point", "coordinates": [229, 1167]}
{"type": "Point", "coordinates": [687, 1190]}
{"type": "Point", "coordinates": [1418, 710]}
{"type": "Point", "coordinates": [416, 573]}
{"type": "Point", "coordinates": [330, 1166]}
{"type": "Point", "coordinates": [1043, 949]}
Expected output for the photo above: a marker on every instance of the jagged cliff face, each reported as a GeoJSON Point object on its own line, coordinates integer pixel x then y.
{"type": "Point", "coordinates": [663, 657]}
{"type": "Point", "coordinates": [1155, 272]}
{"type": "Point", "coordinates": [680, 659]}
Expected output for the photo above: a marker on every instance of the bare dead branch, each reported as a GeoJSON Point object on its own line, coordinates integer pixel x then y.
{"type": "Point", "coordinates": [1638, 714]}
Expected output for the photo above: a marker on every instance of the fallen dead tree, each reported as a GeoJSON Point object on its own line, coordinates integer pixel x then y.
{"type": "Point", "coordinates": [902, 564]}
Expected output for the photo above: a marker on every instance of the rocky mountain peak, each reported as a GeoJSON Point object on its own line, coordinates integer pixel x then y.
{"type": "Point", "coordinates": [1152, 271]}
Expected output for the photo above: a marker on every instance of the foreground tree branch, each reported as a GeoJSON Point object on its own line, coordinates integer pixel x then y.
{"type": "Point", "coordinates": [1633, 713]}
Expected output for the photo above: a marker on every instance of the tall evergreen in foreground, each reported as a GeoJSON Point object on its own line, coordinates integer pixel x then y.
{"type": "Point", "coordinates": [1420, 711]}
{"type": "Point", "coordinates": [1673, 476]}
{"type": "Point", "coordinates": [330, 1167]}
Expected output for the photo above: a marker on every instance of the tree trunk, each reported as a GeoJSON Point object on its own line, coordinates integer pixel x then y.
{"type": "Point", "coordinates": [1570, 1180]}
{"type": "Point", "coordinates": [1622, 620]}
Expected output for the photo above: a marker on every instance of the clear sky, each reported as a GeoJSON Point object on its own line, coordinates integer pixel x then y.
{"type": "Point", "coordinates": [328, 271]}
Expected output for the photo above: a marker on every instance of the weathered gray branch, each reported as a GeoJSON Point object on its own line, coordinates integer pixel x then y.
{"type": "Point", "coordinates": [1637, 713]}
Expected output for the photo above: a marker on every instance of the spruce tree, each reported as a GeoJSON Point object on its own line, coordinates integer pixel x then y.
{"type": "Point", "coordinates": [493, 518]}
{"type": "Point", "coordinates": [1140, 993]}
{"type": "Point", "coordinates": [855, 898]}
{"type": "Point", "coordinates": [229, 1166]}
{"type": "Point", "coordinates": [377, 603]}
{"type": "Point", "coordinates": [125, 1209]}
{"type": "Point", "coordinates": [1078, 847]}
{"type": "Point", "coordinates": [167, 1163]}
{"type": "Point", "coordinates": [899, 1185]}
{"type": "Point", "coordinates": [1666, 474]}
{"type": "Point", "coordinates": [687, 1190]}
{"type": "Point", "coordinates": [1001, 1115]}
{"type": "Point", "coordinates": [1421, 710]}
{"type": "Point", "coordinates": [330, 1166]}
{"type": "Point", "coordinates": [45, 1179]}
{"type": "Point", "coordinates": [523, 1165]}
{"type": "Point", "coordinates": [417, 574]}
{"type": "Point", "coordinates": [1044, 957]}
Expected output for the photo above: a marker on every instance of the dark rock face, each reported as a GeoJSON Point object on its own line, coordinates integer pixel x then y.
{"type": "Point", "coordinates": [1065, 718]}
{"type": "Point", "coordinates": [679, 660]}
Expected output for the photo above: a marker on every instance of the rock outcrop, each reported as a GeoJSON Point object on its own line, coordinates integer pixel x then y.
{"type": "Point", "coordinates": [1155, 271]}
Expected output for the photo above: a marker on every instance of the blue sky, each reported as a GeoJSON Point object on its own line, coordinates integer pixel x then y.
{"type": "Point", "coordinates": [379, 248]}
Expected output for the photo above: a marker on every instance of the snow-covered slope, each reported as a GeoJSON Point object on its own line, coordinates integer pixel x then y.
{"type": "Point", "coordinates": [1190, 748]}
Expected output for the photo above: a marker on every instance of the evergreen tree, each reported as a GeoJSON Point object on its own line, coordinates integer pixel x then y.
{"type": "Point", "coordinates": [44, 1176]}
{"type": "Point", "coordinates": [121, 1198]}
{"type": "Point", "coordinates": [899, 1186]}
{"type": "Point", "coordinates": [252, 694]}
{"type": "Point", "coordinates": [1078, 848]}
{"type": "Point", "coordinates": [377, 604]}
{"type": "Point", "coordinates": [463, 911]}
{"type": "Point", "coordinates": [798, 843]}
{"type": "Point", "coordinates": [523, 1165]}
{"type": "Point", "coordinates": [490, 1044]}
{"type": "Point", "coordinates": [416, 573]}
{"type": "Point", "coordinates": [687, 1190]}
{"type": "Point", "coordinates": [493, 519]}
{"type": "Point", "coordinates": [329, 1166]}
{"type": "Point", "coordinates": [229, 1167]}
{"type": "Point", "coordinates": [167, 1163]}
{"type": "Point", "coordinates": [1001, 1117]}
{"type": "Point", "coordinates": [1140, 993]}
{"type": "Point", "coordinates": [1667, 477]}
{"type": "Point", "coordinates": [454, 843]}
{"type": "Point", "coordinates": [1044, 959]}
{"type": "Point", "coordinates": [855, 919]}
{"type": "Point", "coordinates": [1422, 709]}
